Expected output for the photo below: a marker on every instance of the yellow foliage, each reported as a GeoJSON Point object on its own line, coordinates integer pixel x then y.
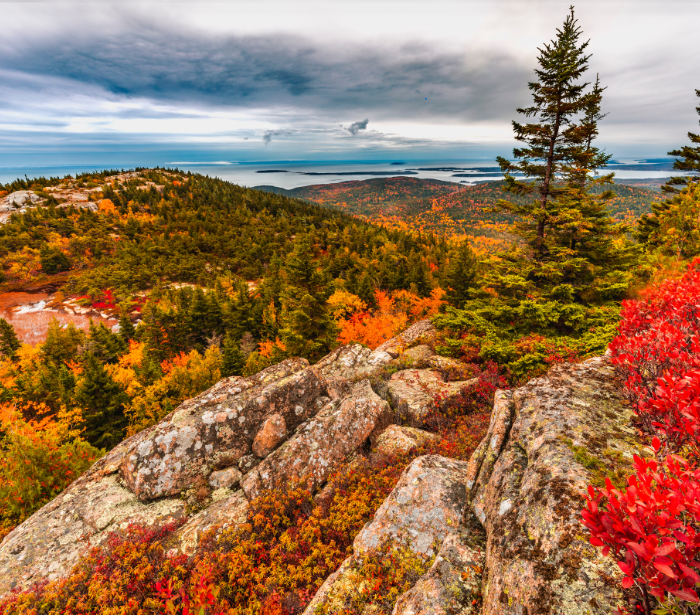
{"type": "Point", "coordinates": [107, 207]}
{"type": "Point", "coordinates": [184, 376]}
{"type": "Point", "coordinates": [344, 304]}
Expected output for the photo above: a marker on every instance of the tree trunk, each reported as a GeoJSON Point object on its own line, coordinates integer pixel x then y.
{"type": "Point", "coordinates": [544, 191]}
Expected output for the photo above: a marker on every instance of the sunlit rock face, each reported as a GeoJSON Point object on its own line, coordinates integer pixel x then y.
{"type": "Point", "coordinates": [502, 528]}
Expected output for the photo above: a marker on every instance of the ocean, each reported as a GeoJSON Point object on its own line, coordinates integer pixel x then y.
{"type": "Point", "coordinates": [293, 174]}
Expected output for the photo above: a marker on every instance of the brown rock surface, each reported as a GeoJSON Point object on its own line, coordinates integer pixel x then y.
{"type": "Point", "coordinates": [399, 439]}
{"type": "Point", "coordinates": [527, 478]}
{"type": "Point", "coordinates": [272, 432]}
{"type": "Point", "coordinates": [228, 509]}
{"type": "Point", "coordinates": [226, 478]}
{"type": "Point", "coordinates": [423, 509]}
{"type": "Point", "coordinates": [50, 542]}
{"type": "Point", "coordinates": [420, 332]}
{"type": "Point", "coordinates": [349, 364]}
{"type": "Point", "coordinates": [451, 585]}
{"type": "Point", "coordinates": [415, 392]}
{"type": "Point", "coordinates": [218, 427]}
{"type": "Point", "coordinates": [322, 443]}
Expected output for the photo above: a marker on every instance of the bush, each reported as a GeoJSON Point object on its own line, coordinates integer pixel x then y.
{"type": "Point", "coordinates": [653, 526]}
{"type": "Point", "coordinates": [40, 458]}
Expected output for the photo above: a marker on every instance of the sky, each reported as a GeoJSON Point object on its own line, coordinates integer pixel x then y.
{"type": "Point", "coordinates": [121, 82]}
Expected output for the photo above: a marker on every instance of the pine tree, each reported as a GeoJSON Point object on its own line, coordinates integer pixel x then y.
{"type": "Point", "coordinates": [233, 358]}
{"type": "Point", "coordinates": [554, 146]}
{"type": "Point", "coordinates": [9, 342]}
{"type": "Point", "coordinates": [308, 329]}
{"type": "Point", "coordinates": [126, 328]}
{"type": "Point", "coordinates": [689, 161]}
{"type": "Point", "coordinates": [460, 274]}
{"type": "Point", "coordinates": [102, 401]}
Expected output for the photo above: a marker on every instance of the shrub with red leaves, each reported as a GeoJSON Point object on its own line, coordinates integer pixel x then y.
{"type": "Point", "coordinates": [653, 527]}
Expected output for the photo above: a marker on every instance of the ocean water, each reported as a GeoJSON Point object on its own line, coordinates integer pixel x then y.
{"type": "Point", "coordinates": [293, 174]}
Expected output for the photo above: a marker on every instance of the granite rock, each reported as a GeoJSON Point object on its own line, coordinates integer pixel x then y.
{"type": "Point", "coordinates": [322, 443]}
{"type": "Point", "coordinates": [218, 427]}
{"type": "Point", "coordinates": [526, 483]}
{"type": "Point", "coordinates": [414, 393]}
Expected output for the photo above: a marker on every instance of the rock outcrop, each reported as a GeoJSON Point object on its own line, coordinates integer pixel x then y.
{"type": "Point", "coordinates": [545, 443]}
{"type": "Point", "coordinates": [501, 531]}
{"type": "Point", "coordinates": [242, 436]}
{"type": "Point", "coordinates": [519, 546]}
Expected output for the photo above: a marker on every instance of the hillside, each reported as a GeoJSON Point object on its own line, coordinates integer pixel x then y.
{"type": "Point", "coordinates": [443, 207]}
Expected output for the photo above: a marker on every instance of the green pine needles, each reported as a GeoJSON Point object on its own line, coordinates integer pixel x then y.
{"type": "Point", "coordinates": [556, 293]}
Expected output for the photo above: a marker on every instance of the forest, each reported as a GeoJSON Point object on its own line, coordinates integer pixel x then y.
{"type": "Point", "coordinates": [207, 279]}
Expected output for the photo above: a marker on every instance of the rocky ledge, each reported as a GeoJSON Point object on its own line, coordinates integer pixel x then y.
{"type": "Point", "coordinates": [500, 534]}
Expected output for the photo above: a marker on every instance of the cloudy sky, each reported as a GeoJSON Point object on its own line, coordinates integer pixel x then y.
{"type": "Point", "coordinates": [116, 81]}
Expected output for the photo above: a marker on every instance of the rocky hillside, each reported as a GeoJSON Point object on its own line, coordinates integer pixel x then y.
{"type": "Point", "coordinates": [503, 530]}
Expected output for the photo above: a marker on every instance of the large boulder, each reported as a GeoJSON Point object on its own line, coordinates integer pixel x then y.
{"type": "Point", "coordinates": [18, 200]}
{"type": "Point", "coordinates": [452, 585]}
{"type": "Point", "coordinates": [547, 441]}
{"type": "Point", "coordinates": [50, 542]}
{"type": "Point", "coordinates": [323, 443]}
{"type": "Point", "coordinates": [218, 427]}
{"type": "Point", "coordinates": [400, 440]}
{"type": "Point", "coordinates": [419, 333]}
{"type": "Point", "coordinates": [423, 509]}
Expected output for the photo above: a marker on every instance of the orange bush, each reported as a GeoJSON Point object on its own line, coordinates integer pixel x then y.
{"type": "Point", "coordinates": [40, 459]}
{"type": "Point", "coordinates": [393, 314]}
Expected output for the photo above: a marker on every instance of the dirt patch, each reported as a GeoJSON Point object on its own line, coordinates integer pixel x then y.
{"type": "Point", "coordinates": [30, 315]}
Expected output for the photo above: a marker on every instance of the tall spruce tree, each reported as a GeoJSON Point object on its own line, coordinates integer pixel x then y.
{"type": "Point", "coordinates": [574, 245]}
{"type": "Point", "coordinates": [307, 327]}
{"type": "Point", "coordinates": [558, 286]}
{"type": "Point", "coordinates": [689, 161]}
{"type": "Point", "coordinates": [557, 152]}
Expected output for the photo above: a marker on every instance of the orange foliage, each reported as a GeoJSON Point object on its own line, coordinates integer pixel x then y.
{"type": "Point", "coordinates": [40, 458]}
{"type": "Point", "coordinates": [268, 348]}
{"type": "Point", "coordinates": [392, 315]}
{"type": "Point", "coordinates": [107, 207]}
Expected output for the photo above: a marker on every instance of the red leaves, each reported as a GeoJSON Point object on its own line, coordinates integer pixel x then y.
{"type": "Point", "coordinates": [653, 527]}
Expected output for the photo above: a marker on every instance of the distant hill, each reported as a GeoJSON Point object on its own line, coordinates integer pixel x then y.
{"type": "Point", "coordinates": [428, 205]}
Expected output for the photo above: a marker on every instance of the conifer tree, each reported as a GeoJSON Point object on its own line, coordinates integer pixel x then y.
{"type": "Point", "coordinates": [557, 151]}
{"type": "Point", "coordinates": [307, 327]}
{"type": "Point", "coordinates": [126, 328]}
{"type": "Point", "coordinates": [650, 227]}
{"type": "Point", "coordinates": [689, 161]}
{"type": "Point", "coordinates": [9, 342]}
{"type": "Point", "coordinates": [460, 274]}
{"type": "Point", "coordinates": [233, 358]}
{"type": "Point", "coordinates": [102, 401]}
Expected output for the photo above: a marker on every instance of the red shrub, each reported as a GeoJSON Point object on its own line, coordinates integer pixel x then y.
{"type": "Point", "coordinates": [653, 527]}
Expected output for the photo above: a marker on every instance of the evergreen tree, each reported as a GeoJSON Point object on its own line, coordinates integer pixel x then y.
{"type": "Point", "coordinates": [102, 401]}
{"type": "Point", "coordinates": [105, 345]}
{"type": "Point", "coordinates": [560, 285]}
{"type": "Point", "coordinates": [127, 331]}
{"type": "Point", "coordinates": [689, 161]}
{"type": "Point", "coordinates": [553, 147]}
{"type": "Point", "coordinates": [308, 329]}
{"type": "Point", "coordinates": [9, 342]}
{"type": "Point", "coordinates": [418, 275]}
{"type": "Point", "coordinates": [651, 228]}
{"type": "Point", "coordinates": [233, 358]}
{"type": "Point", "coordinates": [460, 274]}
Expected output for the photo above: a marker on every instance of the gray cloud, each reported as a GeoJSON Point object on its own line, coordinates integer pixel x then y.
{"type": "Point", "coordinates": [267, 136]}
{"type": "Point", "coordinates": [355, 127]}
{"type": "Point", "coordinates": [167, 65]}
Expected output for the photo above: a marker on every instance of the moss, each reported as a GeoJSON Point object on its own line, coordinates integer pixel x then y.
{"type": "Point", "coordinates": [610, 463]}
